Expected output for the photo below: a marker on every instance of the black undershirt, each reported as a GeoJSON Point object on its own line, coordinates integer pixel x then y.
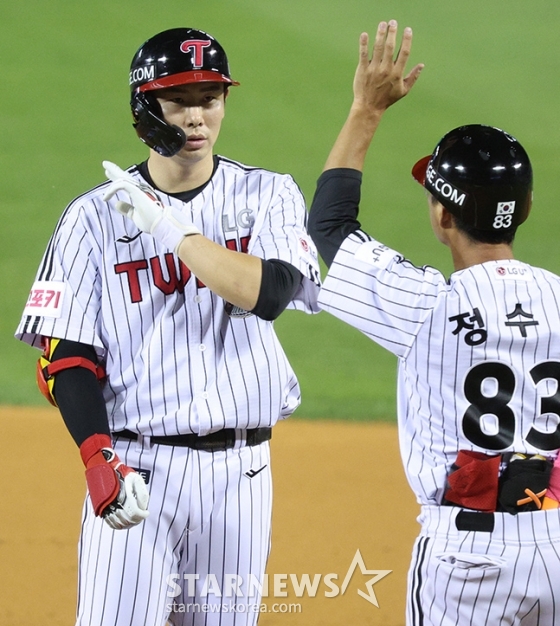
{"type": "Point", "coordinates": [334, 210]}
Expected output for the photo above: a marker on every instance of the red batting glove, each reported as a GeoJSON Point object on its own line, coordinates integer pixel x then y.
{"type": "Point", "coordinates": [117, 492]}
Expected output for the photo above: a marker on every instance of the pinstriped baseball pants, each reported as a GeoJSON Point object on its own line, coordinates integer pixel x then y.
{"type": "Point", "coordinates": [209, 523]}
{"type": "Point", "coordinates": [510, 576]}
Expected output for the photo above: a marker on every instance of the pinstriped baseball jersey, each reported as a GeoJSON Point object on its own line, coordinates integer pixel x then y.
{"type": "Point", "coordinates": [478, 354]}
{"type": "Point", "coordinates": [177, 362]}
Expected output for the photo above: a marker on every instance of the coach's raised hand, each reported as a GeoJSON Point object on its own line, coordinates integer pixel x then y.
{"type": "Point", "coordinates": [379, 82]}
{"type": "Point", "coordinates": [166, 224]}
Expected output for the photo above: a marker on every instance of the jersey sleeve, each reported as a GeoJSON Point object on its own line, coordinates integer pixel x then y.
{"type": "Point", "coordinates": [280, 232]}
{"type": "Point", "coordinates": [64, 301]}
{"type": "Point", "coordinates": [377, 291]}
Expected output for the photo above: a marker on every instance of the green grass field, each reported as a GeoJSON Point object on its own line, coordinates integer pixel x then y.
{"type": "Point", "coordinates": [64, 109]}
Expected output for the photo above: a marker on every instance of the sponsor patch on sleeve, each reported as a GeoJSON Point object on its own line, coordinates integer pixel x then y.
{"type": "Point", "coordinates": [375, 253]}
{"type": "Point", "coordinates": [45, 299]}
{"type": "Point", "coordinates": [307, 247]}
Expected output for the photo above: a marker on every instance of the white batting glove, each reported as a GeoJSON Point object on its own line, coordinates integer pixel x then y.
{"type": "Point", "coordinates": [167, 225]}
{"type": "Point", "coordinates": [131, 505]}
{"type": "Point", "coordinates": [118, 493]}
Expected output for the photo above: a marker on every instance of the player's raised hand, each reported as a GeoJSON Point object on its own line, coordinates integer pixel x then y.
{"type": "Point", "coordinates": [380, 81]}
{"type": "Point", "coordinates": [166, 224]}
{"type": "Point", "coordinates": [118, 493]}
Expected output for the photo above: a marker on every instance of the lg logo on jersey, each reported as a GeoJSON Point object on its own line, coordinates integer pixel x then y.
{"type": "Point", "coordinates": [243, 219]}
{"type": "Point", "coordinates": [518, 273]}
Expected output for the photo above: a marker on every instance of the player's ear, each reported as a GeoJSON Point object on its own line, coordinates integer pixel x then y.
{"type": "Point", "coordinates": [439, 215]}
{"type": "Point", "coordinates": [445, 218]}
{"type": "Point", "coordinates": [530, 205]}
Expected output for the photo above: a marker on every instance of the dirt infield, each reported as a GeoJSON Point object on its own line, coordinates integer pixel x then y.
{"type": "Point", "coordinates": [339, 488]}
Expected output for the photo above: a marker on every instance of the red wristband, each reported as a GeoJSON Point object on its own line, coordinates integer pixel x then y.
{"type": "Point", "coordinates": [92, 445]}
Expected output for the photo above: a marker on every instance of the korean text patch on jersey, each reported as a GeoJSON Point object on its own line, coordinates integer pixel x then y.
{"type": "Point", "coordinates": [376, 254]}
{"type": "Point", "coordinates": [45, 299]}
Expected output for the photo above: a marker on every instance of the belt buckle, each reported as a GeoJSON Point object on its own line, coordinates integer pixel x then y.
{"type": "Point", "coordinates": [217, 441]}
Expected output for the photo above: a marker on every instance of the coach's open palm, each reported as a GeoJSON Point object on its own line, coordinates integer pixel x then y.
{"type": "Point", "coordinates": [380, 82]}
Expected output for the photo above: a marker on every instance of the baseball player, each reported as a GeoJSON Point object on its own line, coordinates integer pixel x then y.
{"type": "Point", "coordinates": [478, 357]}
{"type": "Point", "coordinates": [154, 307]}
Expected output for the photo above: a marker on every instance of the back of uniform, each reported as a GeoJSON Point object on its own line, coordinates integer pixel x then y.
{"type": "Point", "coordinates": [478, 356]}
{"type": "Point", "coordinates": [478, 370]}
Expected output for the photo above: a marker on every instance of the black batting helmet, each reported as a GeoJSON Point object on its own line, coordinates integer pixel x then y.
{"type": "Point", "coordinates": [173, 57]}
{"type": "Point", "coordinates": [481, 175]}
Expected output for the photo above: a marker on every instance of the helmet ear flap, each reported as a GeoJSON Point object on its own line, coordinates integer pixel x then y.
{"type": "Point", "coordinates": [153, 130]}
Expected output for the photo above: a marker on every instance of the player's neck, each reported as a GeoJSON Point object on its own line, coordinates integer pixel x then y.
{"type": "Point", "coordinates": [175, 174]}
{"type": "Point", "coordinates": [470, 253]}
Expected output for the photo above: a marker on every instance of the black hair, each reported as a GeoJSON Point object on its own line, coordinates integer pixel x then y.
{"type": "Point", "coordinates": [494, 237]}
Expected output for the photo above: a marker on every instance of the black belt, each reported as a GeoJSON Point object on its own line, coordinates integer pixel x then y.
{"type": "Point", "coordinates": [219, 440]}
{"type": "Point", "coordinates": [475, 520]}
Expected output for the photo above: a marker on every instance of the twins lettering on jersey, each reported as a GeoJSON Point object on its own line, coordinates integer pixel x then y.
{"type": "Point", "coordinates": [168, 276]}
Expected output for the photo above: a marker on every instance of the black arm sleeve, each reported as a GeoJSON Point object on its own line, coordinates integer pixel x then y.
{"type": "Point", "coordinates": [78, 394]}
{"type": "Point", "coordinates": [334, 210]}
{"type": "Point", "coordinates": [279, 283]}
